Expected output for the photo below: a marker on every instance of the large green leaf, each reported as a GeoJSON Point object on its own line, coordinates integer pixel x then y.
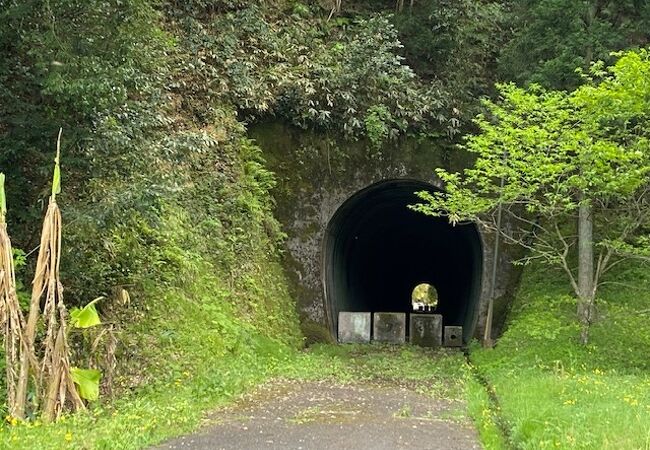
{"type": "Point", "coordinates": [56, 179]}
{"type": "Point", "coordinates": [87, 381]}
{"type": "Point", "coordinates": [85, 317]}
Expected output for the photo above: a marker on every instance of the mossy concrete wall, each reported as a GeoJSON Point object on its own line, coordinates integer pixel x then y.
{"type": "Point", "coordinates": [317, 173]}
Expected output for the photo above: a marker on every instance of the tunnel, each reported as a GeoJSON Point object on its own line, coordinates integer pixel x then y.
{"type": "Point", "coordinates": [376, 251]}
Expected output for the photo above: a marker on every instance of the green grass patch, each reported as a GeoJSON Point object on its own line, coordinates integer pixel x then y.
{"type": "Point", "coordinates": [176, 403]}
{"type": "Point", "coordinates": [485, 416]}
{"type": "Point", "coordinates": [182, 350]}
{"type": "Point", "coordinates": [556, 393]}
{"type": "Point", "coordinates": [165, 410]}
{"type": "Point", "coordinates": [440, 373]}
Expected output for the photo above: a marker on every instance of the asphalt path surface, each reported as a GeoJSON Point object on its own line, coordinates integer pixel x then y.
{"type": "Point", "coordinates": [329, 415]}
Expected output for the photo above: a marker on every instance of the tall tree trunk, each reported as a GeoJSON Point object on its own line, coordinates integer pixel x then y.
{"type": "Point", "coordinates": [586, 291]}
{"type": "Point", "coordinates": [585, 269]}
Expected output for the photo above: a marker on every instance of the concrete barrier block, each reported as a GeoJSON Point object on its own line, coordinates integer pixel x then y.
{"type": "Point", "coordinates": [354, 327]}
{"type": "Point", "coordinates": [453, 336]}
{"type": "Point", "coordinates": [389, 327]}
{"type": "Point", "coordinates": [425, 330]}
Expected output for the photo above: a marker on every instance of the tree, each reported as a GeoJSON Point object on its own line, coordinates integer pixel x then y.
{"type": "Point", "coordinates": [570, 171]}
{"type": "Point", "coordinates": [552, 37]}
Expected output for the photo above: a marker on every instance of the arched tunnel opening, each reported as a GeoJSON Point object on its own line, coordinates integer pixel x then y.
{"type": "Point", "coordinates": [377, 250]}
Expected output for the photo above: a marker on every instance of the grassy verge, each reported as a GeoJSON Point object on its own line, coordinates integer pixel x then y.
{"type": "Point", "coordinates": [552, 392]}
{"type": "Point", "coordinates": [176, 403]}
{"type": "Point", "coordinates": [555, 393]}
{"type": "Point", "coordinates": [186, 350]}
{"type": "Point", "coordinates": [147, 418]}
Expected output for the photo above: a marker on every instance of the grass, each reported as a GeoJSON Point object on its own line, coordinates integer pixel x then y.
{"type": "Point", "coordinates": [177, 403]}
{"type": "Point", "coordinates": [144, 419]}
{"type": "Point", "coordinates": [555, 393]}
{"type": "Point", "coordinates": [549, 391]}
{"type": "Point", "coordinates": [189, 351]}
{"type": "Point", "coordinates": [442, 373]}
{"type": "Point", "coordinates": [485, 415]}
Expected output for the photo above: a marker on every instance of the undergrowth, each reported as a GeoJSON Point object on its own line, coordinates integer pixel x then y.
{"type": "Point", "coordinates": [208, 314]}
{"type": "Point", "coordinates": [191, 353]}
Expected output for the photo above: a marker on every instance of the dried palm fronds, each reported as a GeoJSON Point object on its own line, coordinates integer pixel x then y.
{"type": "Point", "coordinates": [11, 316]}
{"type": "Point", "coordinates": [55, 368]}
{"type": "Point", "coordinates": [54, 371]}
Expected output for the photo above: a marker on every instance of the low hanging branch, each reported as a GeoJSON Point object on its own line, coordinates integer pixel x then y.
{"type": "Point", "coordinates": [53, 381]}
{"type": "Point", "coordinates": [11, 315]}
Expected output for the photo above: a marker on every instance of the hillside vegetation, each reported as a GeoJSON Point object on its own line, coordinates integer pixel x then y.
{"type": "Point", "coordinates": [168, 212]}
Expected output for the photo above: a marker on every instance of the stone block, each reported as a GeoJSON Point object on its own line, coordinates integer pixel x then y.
{"type": "Point", "coordinates": [389, 327]}
{"type": "Point", "coordinates": [453, 336]}
{"type": "Point", "coordinates": [426, 330]}
{"type": "Point", "coordinates": [354, 327]}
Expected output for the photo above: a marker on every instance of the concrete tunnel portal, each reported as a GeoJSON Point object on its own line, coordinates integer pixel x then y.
{"type": "Point", "coordinates": [376, 251]}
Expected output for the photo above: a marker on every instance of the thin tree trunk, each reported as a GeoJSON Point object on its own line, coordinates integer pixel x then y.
{"type": "Point", "coordinates": [585, 270]}
{"type": "Point", "coordinates": [487, 336]}
{"type": "Point", "coordinates": [586, 291]}
{"type": "Point", "coordinates": [336, 9]}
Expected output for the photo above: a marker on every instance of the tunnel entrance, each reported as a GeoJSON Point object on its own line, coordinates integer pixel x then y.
{"type": "Point", "coordinates": [377, 251]}
{"type": "Point", "coordinates": [424, 298]}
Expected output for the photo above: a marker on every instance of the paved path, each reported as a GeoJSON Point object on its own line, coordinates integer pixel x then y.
{"type": "Point", "coordinates": [327, 415]}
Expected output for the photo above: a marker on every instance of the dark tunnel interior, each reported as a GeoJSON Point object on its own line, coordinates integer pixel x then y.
{"type": "Point", "coordinates": [376, 251]}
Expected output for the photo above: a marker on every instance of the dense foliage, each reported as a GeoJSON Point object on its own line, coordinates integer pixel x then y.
{"type": "Point", "coordinates": [551, 38]}
{"type": "Point", "coordinates": [456, 43]}
{"type": "Point", "coordinates": [164, 196]}
{"type": "Point", "coordinates": [543, 158]}
{"type": "Point", "coordinates": [154, 200]}
{"type": "Point", "coordinates": [152, 104]}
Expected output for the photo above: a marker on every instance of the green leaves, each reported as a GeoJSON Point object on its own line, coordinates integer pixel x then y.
{"type": "Point", "coordinates": [56, 179]}
{"type": "Point", "coordinates": [349, 77]}
{"type": "Point", "coordinates": [85, 317]}
{"type": "Point", "coordinates": [552, 38]}
{"type": "Point", "coordinates": [551, 146]}
{"type": "Point", "coordinates": [556, 151]}
{"type": "Point", "coordinates": [377, 121]}
{"type": "Point", "coordinates": [87, 381]}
